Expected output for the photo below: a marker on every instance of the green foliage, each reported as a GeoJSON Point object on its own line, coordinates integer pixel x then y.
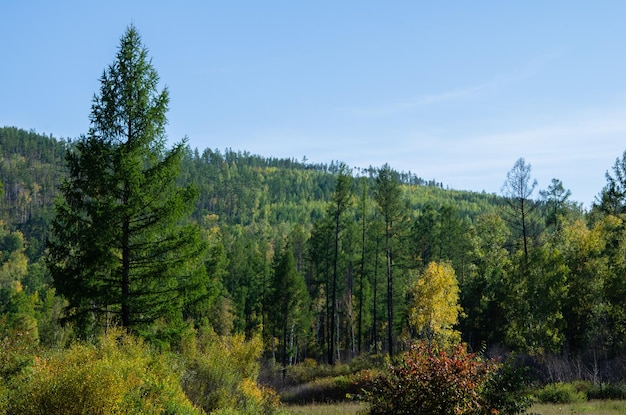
{"type": "Point", "coordinates": [508, 388]}
{"type": "Point", "coordinates": [612, 198]}
{"type": "Point", "coordinates": [221, 376]}
{"type": "Point", "coordinates": [431, 382]}
{"type": "Point", "coordinates": [119, 247]}
{"type": "Point", "coordinates": [535, 312]}
{"type": "Point", "coordinates": [17, 348]}
{"type": "Point", "coordinates": [118, 375]}
{"type": "Point", "coordinates": [388, 197]}
{"type": "Point", "coordinates": [484, 290]}
{"type": "Point", "coordinates": [604, 391]}
{"type": "Point", "coordinates": [560, 393]}
{"type": "Point", "coordinates": [289, 303]}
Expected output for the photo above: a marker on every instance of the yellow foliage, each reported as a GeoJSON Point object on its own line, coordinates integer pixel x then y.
{"type": "Point", "coordinates": [13, 269]}
{"type": "Point", "coordinates": [434, 309]}
{"type": "Point", "coordinates": [118, 376]}
{"type": "Point", "coordinates": [221, 375]}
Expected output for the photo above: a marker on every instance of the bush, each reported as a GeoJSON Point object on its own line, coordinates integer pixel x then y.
{"type": "Point", "coordinates": [221, 375]}
{"type": "Point", "coordinates": [562, 393]}
{"type": "Point", "coordinates": [431, 382]}
{"type": "Point", "coordinates": [605, 391]}
{"type": "Point", "coordinates": [17, 348]}
{"type": "Point", "coordinates": [507, 389]}
{"type": "Point", "coordinates": [119, 375]}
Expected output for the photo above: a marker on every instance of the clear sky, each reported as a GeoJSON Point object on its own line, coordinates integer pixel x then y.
{"type": "Point", "coordinates": [454, 91]}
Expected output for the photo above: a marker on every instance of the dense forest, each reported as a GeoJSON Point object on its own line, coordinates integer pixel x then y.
{"type": "Point", "coordinates": [249, 207]}
{"type": "Point", "coordinates": [535, 273]}
{"type": "Point", "coordinates": [309, 262]}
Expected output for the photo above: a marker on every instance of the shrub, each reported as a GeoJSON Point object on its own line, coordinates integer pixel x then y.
{"type": "Point", "coordinates": [431, 382]}
{"type": "Point", "coordinates": [17, 348]}
{"type": "Point", "coordinates": [119, 375]}
{"type": "Point", "coordinates": [221, 375]}
{"type": "Point", "coordinates": [507, 388]}
{"type": "Point", "coordinates": [605, 391]}
{"type": "Point", "coordinates": [562, 393]}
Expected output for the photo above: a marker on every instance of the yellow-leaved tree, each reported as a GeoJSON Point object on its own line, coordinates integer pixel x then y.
{"type": "Point", "coordinates": [434, 309]}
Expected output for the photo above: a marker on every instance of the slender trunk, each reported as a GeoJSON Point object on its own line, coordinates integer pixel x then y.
{"type": "Point", "coordinates": [361, 276]}
{"type": "Point", "coordinates": [126, 267]}
{"type": "Point", "coordinates": [374, 313]}
{"type": "Point", "coordinates": [284, 351]}
{"type": "Point", "coordinates": [524, 233]}
{"type": "Point", "coordinates": [389, 292]}
{"type": "Point", "coordinates": [327, 323]}
{"type": "Point", "coordinates": [125, 306]}
{"type": "Point", "coordinates": [331, 355]}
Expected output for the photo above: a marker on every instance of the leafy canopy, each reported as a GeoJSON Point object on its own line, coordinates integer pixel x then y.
{"type": "Point", "coordinates": [121, 250]}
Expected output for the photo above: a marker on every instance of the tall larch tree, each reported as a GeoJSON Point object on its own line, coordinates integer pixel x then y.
{"type": "Point", "coordinates": [341, 200]}
{"type": "Point", "coordinates": [518, 189]}
{"type": "Point", "coordinates": [121, 248]}
{"type": "Point", "coordinates": [388, 196]}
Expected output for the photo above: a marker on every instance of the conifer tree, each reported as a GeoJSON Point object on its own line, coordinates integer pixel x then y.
{"type": "Point", "coordinates": [518, 190]}
{"type": "Point", "coordinates": [121, 249]}
{"type": "Point", "coordinates": [337, 207]}
{"type": "Point", "coordinates": [388, 196]}
{"type": "Point", "coordinates": [290, 302]}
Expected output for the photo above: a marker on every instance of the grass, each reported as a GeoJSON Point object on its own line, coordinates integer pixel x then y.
{"type": "Point", "coordinates": [582, 408]}
{"type": "Point", "coordinates": [351, 408]}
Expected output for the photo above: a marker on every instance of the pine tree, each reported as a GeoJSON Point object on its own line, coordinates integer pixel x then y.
{"type": "Point", "coordinates": [120, 249]}
{"type": "Point", "coordinates": [388, 196]}
{"type": "Point", "coordinates": [340, 202]}
{"type": "Point", "coordinates": [518, 190]}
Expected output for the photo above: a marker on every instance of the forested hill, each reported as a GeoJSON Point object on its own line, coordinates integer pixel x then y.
{"type": "Point", "coordinates": [240, 188]}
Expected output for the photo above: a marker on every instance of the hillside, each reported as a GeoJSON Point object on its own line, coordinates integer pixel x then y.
{"type": "Point", "coordinates": [534, 276]}
{"type": "Point", "coordinates": [240, 188]}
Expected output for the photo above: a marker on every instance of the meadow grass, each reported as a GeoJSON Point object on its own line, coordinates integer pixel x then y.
{"type": "Point", "coordinates": [582, 408]}
{"type": "Point", "coordinates": [351, 408]}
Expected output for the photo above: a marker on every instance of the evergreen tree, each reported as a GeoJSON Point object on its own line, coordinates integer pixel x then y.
{"type": "Point", "coordinates": [518, 190]}
{"type": "Point", "coordinates": [290, 303]}
{"type": "Point", "coordinates": [556, 199]}
{"type": "Point", "coordinates": [388, 196]}
{"type": "Point", "coordinates": [612, 198]}
{"type": "Point", "coordinates": [120, 250]}
{"type": "Point", "coordinates": [336, 209]}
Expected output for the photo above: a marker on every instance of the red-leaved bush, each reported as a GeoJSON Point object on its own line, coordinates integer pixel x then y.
{"type": "Point", "coordinates": [431, 381]}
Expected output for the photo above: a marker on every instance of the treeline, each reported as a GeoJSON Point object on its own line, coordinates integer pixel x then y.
{"type": "Point", "coordinates": [324, 261]}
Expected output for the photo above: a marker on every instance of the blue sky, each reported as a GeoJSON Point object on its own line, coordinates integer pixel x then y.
{"type": "Point", "coordinates": [454, 91]}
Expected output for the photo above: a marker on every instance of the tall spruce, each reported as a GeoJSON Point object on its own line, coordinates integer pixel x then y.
{"type": "Point", "coordinates": [121, 249]}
